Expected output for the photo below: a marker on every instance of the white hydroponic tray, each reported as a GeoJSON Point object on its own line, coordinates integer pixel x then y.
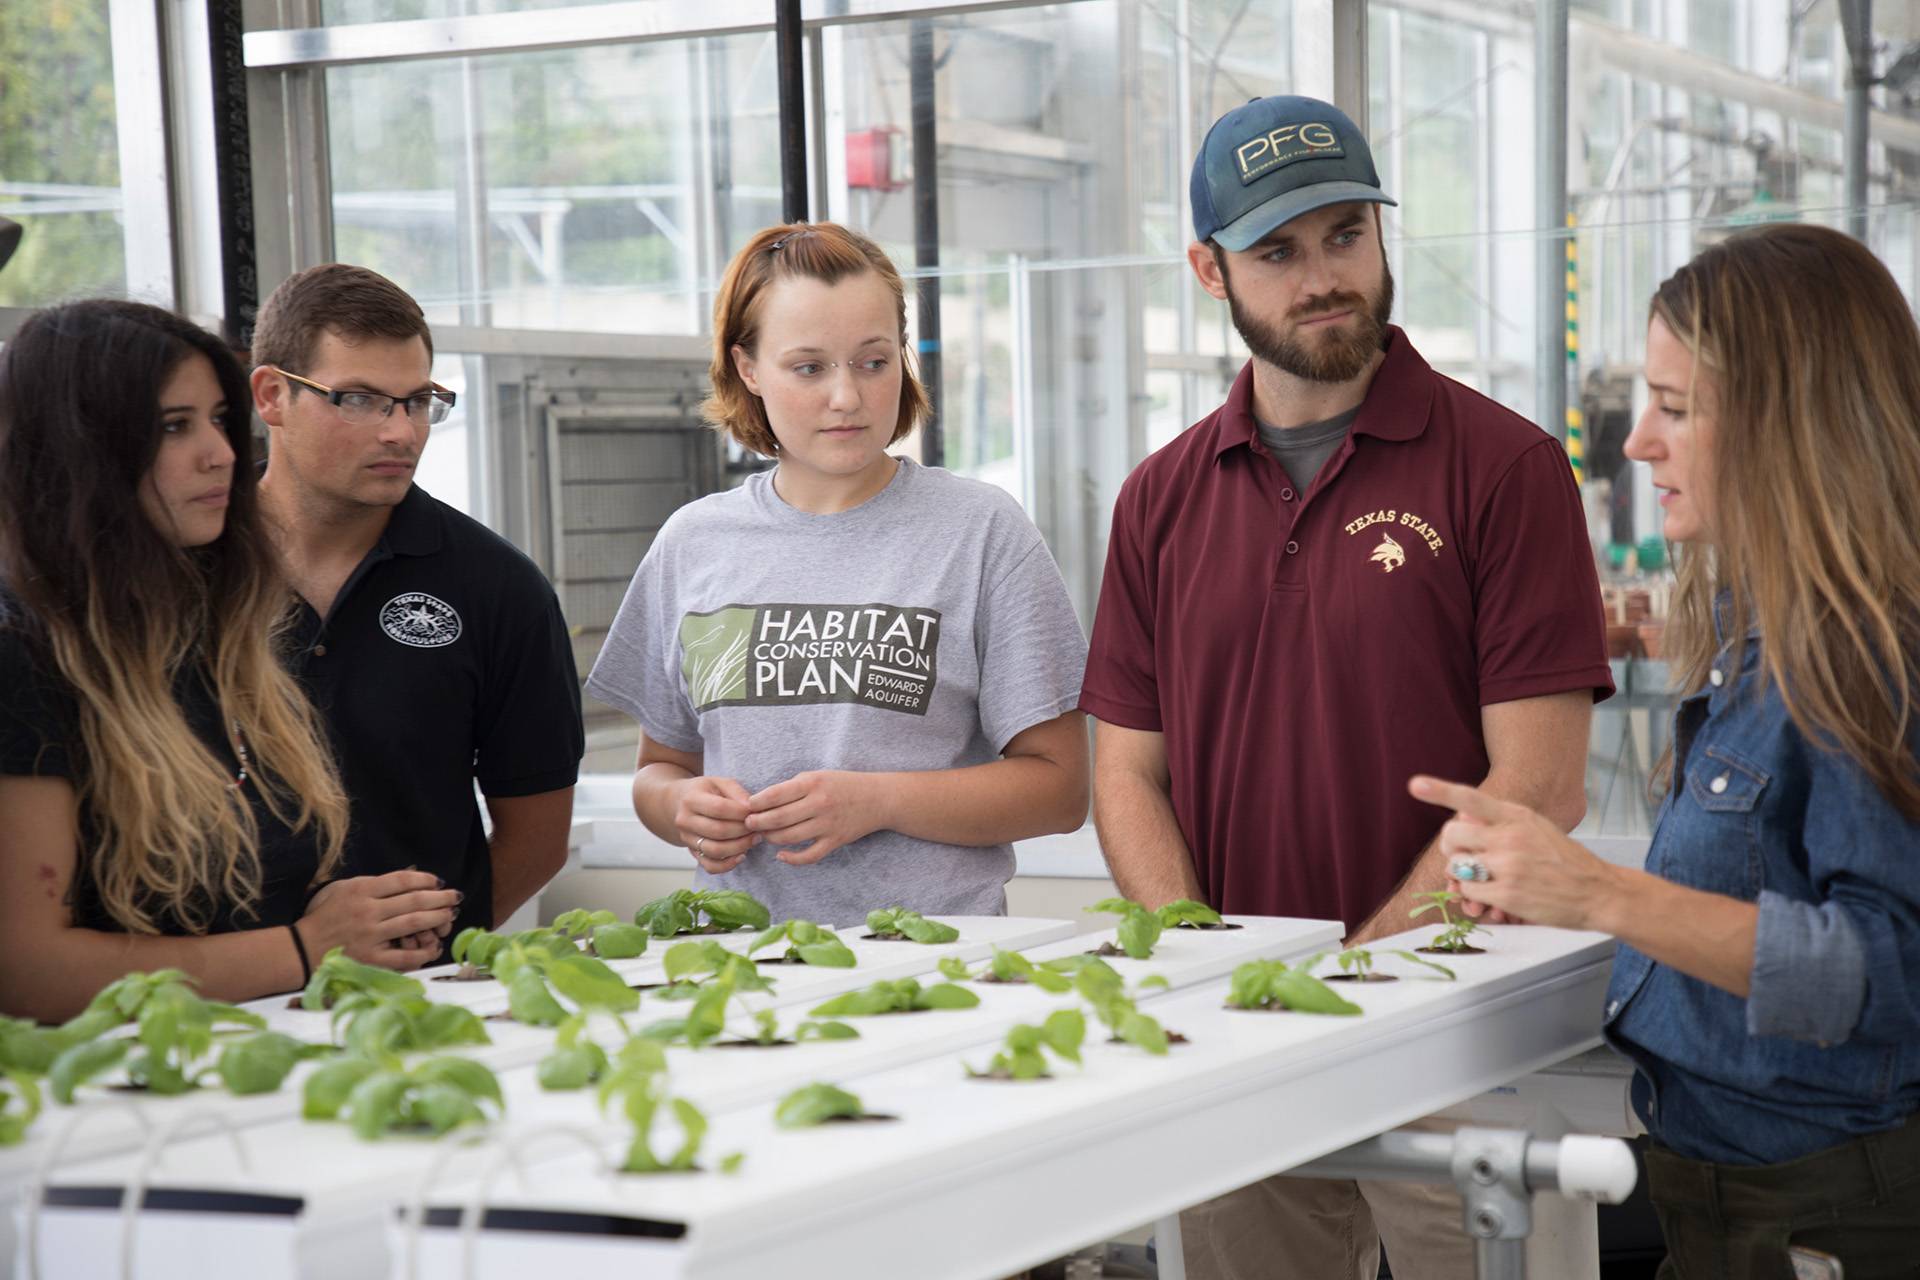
{"type": "Point", "coordinates": [1050, 1165]}
{"type": "Point", "coordinates": [104, 1122]}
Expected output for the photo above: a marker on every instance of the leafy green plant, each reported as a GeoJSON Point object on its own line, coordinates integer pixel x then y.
{"type": "Point", "coordinates": [1356, 965]}
{"type": "Point", "coordinates": [639, 1083]}
{"type": "Point", "coordinates": [575, 1061]}
{"type": "Point", "coordinates": [733, 977]}
{"type": "Point", "coordinates": [1185, 913]}
{"type": "Point", "coordinates": [606, 935]}
{"type": "Point", "coordinates": [1011, 966]}
{"type": "Point", "coordinates": [378, 1096]}
{"type": "Point", "coordinates": [701, 911]}
{"type": "Point", "coordinates": [1455, 937]}
{"type": "Point", "coordinates": [30, 1049]}
{"type": "Point", "coordinates": [338, 975]}
{"type": "Point", "coordinates": [19, 1105]}
{"type": "Point", "coordinates": [175, 1033]}
{"type": "Point", "coordinates": [1274, 984]}
{"type": "Point", "coordinates": [905, 995]}
{"type": "Point", "coordinates": [813, 1104]}
{"type": "Point", "coordinates": [807, 943]}
{"type": "Point", "coordinates": [895, 924]}
{"type": "Point", "coordinates": [386, 1026]}
{"type": "Point", "coordinates": [1105, 991]}
{"type": "Point", "coordinates": [1024, 1056]}
{"type": "Point", "coordinates": [538, 964]}
{"type": "Point", "coordinates": [1139, 927]}
{"type": "Point", "coordinates": [481, 953]}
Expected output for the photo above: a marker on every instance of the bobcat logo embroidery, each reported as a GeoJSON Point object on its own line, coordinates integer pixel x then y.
{"type": "Point", "coordinates": [1388, 555]}
{"type": "Point", "coordinates": [420, 620]}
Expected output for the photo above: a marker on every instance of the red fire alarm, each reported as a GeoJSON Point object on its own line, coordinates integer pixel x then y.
{"type": "Point", "coordinates": [876, 159]}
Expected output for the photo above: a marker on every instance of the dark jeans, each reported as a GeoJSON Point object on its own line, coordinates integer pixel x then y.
{"type": "Point", "coordinates": [1859, 1201]}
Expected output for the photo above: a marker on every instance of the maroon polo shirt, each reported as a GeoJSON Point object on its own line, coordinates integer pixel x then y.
{"type": "Point", "coordinates": [1304, 654]}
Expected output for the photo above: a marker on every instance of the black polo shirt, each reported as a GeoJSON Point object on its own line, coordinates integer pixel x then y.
{"type": "Point", "coordinates": [444, 661]}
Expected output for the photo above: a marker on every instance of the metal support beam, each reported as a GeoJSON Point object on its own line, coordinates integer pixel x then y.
{"type": "Point", "coordinates": [307, 43]}
{"type": "Point", "coordinates": [790, 54]}
{"type": "Point", "coordinates": [926, 237]}
{"type": "Point", "coordinates": [233, 172]}
{"type": "Point", "coordinates": [1550, 215]}
{"type": "Point", "coordinates": [1856, 20]}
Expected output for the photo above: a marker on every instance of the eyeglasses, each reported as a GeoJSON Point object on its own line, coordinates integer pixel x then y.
{"type": "Point", "coordinates": [361, 408]}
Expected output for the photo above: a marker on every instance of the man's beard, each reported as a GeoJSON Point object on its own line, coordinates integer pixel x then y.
{"type": "Point", "coordinates": [1333, 357]}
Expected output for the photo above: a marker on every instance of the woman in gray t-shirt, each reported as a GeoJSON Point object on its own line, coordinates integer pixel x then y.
{"type": "Point", "coordinates": [855, 677]}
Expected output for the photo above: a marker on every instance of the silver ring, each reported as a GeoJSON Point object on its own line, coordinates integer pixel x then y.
{"type": "Point", "coordinates": [699, 846]}
{"type": "Point", "coordinates": [1469, 869]}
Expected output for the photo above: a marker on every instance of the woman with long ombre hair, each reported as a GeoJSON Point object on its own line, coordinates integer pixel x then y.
{"type": "Point", "coordinates": [166, 795]}
{"type": "Point", "coordinates": [1767, 985]}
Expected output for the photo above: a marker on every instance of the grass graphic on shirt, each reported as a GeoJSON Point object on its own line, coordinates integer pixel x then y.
{"type": "Point", "coordinates": [772, 655]}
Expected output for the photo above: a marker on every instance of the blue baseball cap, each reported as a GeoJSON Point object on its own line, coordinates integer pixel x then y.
{"type": "Point", "coordinates": [1268, 162]}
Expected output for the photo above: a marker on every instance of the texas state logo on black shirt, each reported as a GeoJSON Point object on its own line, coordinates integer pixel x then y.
{"type": "Point", "coordinates": [418, 619]}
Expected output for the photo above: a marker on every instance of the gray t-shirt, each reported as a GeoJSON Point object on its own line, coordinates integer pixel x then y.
{"type": "Point", "coordinates": [1304, 450]}
{"type": "Point", "coordinates": [923, 629]}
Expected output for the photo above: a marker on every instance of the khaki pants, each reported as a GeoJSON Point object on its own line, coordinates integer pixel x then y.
{"type": "Point", "coordinates": [1283, 1228]}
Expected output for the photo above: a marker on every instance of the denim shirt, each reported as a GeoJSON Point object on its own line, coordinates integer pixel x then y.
{"type": "Point", "coordinates": [1826, 1046]}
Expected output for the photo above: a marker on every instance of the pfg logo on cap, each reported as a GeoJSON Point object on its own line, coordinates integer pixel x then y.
{"type": "Point", "coordinates": [420, 620]}
{"type": "Point", "coordinates": [1265, 152]}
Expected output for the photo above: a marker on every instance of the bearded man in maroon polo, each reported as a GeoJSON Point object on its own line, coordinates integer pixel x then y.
{"type": "Point", "coordinates": [1353, 571]}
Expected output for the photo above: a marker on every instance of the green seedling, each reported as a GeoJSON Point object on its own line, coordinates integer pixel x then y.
{"type": "Point", "coordinates": [733, 977]}
{"type": "Point", "coordinates": [1139, 927]}
{"type": "Point", "coordinates": [807, 943]}
{"type": "Point", "coordinates": [606, 935]}
{"type": "Point", "coordinates": [903, 996]}
{"type": "Point", "coordinates": [338, 976]}
{"type": "Point", "coordinates": [639, 1082]}
{"type": "Point", "coordinates": [175, 1037]}
{"type": "Point", "coordinates": [895, 924]}
{"type": "Point", "coordinates": [384, 1027]}
{"type": "Point", "coordinates": [19, 1105]}
{"type": "Point", "coordinates": [575, 1062]}
{"type": "Point", "coordinates": [1025, 1054]}
{"type": "Point", "coordinates": [1356, 964]}
{"type": "Point", "coordinates": [1102, 987]}
{"type": "Point", "coordinates": [30, 1049]}
{"type": "Point", "coordinates": [814, 1104]}
{"type": "Point", "coordinates": [1274, 984]}
{"type": "Point", "coordinates": [686, 962]}
{"type": "Point", "coordinates": [1011, 966]}
{"type": "Point", "coordinates": [1185, 913]}
{"type": "Point", "coordinates": [539, 964]}
{"type": "Point", "coordinates": [482, 953]}
{"type": "Point", "coordinates": [1454, 938]}
{"type": "Point", "coordinates": [378, 1096]}
{"type": "Point", "coordinates": [701, 911]}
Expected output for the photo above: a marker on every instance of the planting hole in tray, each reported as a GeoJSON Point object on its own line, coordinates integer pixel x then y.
{"type": "Point", "coordinates": [1451, 951]}
{"type": "Point", "coordinates": [1361, 977]}
{"type": "Point", "coordinates": [871, 1117]}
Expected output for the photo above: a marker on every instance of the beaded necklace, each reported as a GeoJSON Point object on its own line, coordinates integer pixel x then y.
{"type": "Point", "coordinates": [240, 754]}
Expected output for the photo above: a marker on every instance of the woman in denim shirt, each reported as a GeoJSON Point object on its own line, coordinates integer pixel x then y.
{"type": "Point", "coordinates": [1767, 984]}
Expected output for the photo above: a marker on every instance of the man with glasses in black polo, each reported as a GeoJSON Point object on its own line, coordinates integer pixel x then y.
{"type": "Point", "coordinates": [434, 650]}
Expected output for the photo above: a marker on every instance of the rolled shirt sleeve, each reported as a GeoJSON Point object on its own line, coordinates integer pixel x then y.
{"type": "Point", "coordinates": [1846, 965]}
{"type": "Point", "coordinates": [1809, 971]}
